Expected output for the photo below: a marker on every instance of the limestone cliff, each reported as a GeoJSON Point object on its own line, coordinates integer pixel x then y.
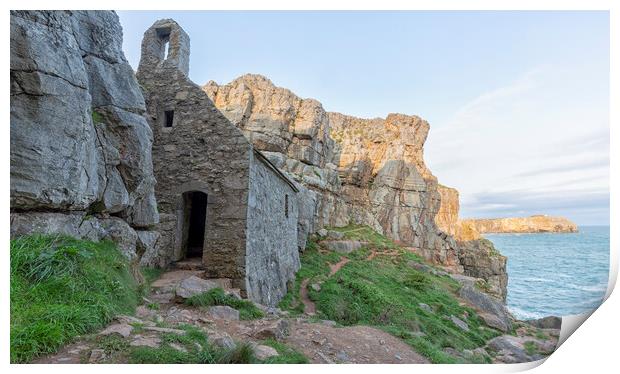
{"type": "Point", "coordinates": [80, 145]}
{"type": "Point", "coordinates": [532, 224]}
{"type": "Point", "coordinates": [477, 255]}
{"type": "Point", "coordinates": [362, 171]}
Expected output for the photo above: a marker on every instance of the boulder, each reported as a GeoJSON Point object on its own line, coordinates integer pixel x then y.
{"type": "Point", "coordinates": [343, 246]}
{"type": "Point", "coordinates": [460, 323]}
{"type": "Point", "coordinates": [464, 280]}
{"type": "Point", "coordinates": [193, 286]}
{"type": "Point", "coordinates": [511, 347]}
{"type": "Point", "coordinates": [223, 341]}
{"type": "Point", "coordinates": [148, 249]}
{"type": "Point", "coordinates": [277, 330]}
{"type": "Point", "coordinates": [494, 322]}
{"type": "Point", "coordinates": [263, 352]}
{"type": "Point", "coordinates": [121, 329]}
{"type": "Point", "coordinates": [224, 312]}
{"type": "Point", "coordinates": [549, 322]}
{"type": "Point", "coordinates": [335, 235]}
{"type": "Point", "coordinates": [489, 305]}
{"type": "Point", "coordinates": [425, 307]}
{"type": "Point", "coordinates": [151, 341]}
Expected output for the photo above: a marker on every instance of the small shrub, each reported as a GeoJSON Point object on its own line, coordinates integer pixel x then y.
{"type": "Point", "coordinates": [417, 280]}
{"type": "Point", "coordinates": [153, 306]}
{"type": "Point", "coordinates": [241, 354]}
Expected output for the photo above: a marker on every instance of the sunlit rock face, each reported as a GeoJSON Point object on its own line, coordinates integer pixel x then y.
{"type": "Point", "coordinates": [363, 171]}
{"type": "Point", "coordinates": [532, 224]}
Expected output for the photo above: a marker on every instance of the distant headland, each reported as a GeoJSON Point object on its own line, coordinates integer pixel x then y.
{"type": "Point", "coordinates": [533, 224]}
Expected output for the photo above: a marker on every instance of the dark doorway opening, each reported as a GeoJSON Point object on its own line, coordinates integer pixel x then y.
{"type": "Point", "coordinates": [196, 205]}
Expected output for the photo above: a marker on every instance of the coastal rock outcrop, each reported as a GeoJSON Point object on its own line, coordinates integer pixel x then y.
{"type": "Point", "coordinates": [80, 145]}
{"type": "Point", "coordinates": [477, 255]}
{"type": "Point", "coordinates": [532, 224]}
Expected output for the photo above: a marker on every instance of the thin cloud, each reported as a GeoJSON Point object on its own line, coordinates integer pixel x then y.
{"type": "Point", "coordinates": [587, 165]}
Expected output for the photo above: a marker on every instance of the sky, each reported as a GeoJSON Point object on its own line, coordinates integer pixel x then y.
{"type": "Point", "coordinates": [517, 101]}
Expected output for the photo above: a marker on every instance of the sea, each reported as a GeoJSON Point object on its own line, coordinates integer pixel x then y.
{"type": "Point", "coordinates": [555, 273]}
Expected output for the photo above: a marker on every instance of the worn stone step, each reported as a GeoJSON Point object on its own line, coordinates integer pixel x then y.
{"type": "Point", "coordinates": [190, 264]}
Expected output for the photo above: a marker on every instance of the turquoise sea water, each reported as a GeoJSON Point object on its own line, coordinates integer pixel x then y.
{"type": "Point", "coordinates": [555, 274]}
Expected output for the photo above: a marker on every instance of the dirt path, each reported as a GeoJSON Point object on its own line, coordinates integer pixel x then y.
{"type": "Point", "coordinates": [337, 266]}
{"type": "Point", "coordinates": [309, 307]}
{"type": "Point", "coordinates": [320, 342]}
{"type": "Point", "coordinates": [323, 343]}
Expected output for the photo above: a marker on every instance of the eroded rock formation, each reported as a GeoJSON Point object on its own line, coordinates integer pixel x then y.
{"type": "Point", "coordinates": [362, 171]}
{"type": "Point", "coordinates": [532, 224]}
{"type": "Point", "coordinates": [477, 255]}
{"type": "Point", "coordinates": [80, 145]}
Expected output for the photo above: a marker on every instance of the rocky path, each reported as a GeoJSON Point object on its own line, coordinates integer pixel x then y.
{"type": "Point", "coordinates": [333, 269]}
{"type": "Point", "coordinates": [162, 313]}
{"type": "Point", "coordinates": [323, 343]}
{"type": "Point", "coordinates": [309, 306]}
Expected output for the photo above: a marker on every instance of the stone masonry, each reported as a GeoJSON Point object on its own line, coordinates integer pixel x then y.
{"type": "Point", "coordinates": [250, 230]}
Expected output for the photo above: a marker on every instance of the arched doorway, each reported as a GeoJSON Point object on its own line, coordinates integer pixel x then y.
{"type": "Point", "coordinates": [195, 204]}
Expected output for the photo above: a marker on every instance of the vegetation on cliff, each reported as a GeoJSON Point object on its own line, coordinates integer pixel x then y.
{"type": "Point", "coordinates": [386, 286]}
{"type": "Point", "coordinates": [63, 287]}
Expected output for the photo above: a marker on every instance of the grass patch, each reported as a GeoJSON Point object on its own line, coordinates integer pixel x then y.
{"type": "Point", "coordinates": [365, 234]}
{"type": "Point", "coordinates": [385, 292]}
{"type": "Point", "coordinates": [196, 349]}
{"type": "Point", "coordinates": [530, 348]}
{"type": "Point", "coordinates": [113, 343]}
{"type": "Point", "coordinates": [63, 287]}
{"type": "Point", "coordinates": [153, 306]}
{"type": "Point", "coordinates": [287, 355]}
{"type": "Point", "coordinates": [97, 117]}
{"type": "Point", "coordinates": [247, 310]}
{"type": "Point", "coordinates": [151, 274]}
{"type": "Point", "coordinates": [541, 335]}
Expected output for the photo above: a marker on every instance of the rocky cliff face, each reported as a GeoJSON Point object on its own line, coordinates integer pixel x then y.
{"type": "Point", "coordinates": [80, 145]}
{"type": "Point", "coordinates": [362, 171]}
{"type": "Point", "coordinates": [477, 255]}
{"type": "Point", "coordinates": [532, 224]}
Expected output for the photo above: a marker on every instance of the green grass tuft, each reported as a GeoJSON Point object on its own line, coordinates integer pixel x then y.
{"type": "Point", "coordinates": [61, 288]}
{"type": "Point", "coordinates": [197, 348]}
{"type": "Point", "coordinates": [247, 310]}
{"type": "Point", "coordinates": [97, 117]}
{"type": "Point", "coordinates": [530, 348]}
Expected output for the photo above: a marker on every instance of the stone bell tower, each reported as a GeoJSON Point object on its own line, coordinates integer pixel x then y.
{"type": "Point", "coordinates": [165, 44]}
